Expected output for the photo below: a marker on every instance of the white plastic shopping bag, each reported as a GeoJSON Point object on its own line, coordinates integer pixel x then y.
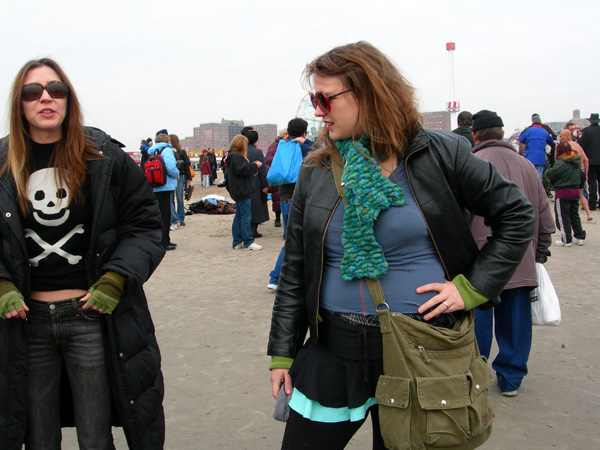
{"type": "Point", "coordinates": [545, 310]}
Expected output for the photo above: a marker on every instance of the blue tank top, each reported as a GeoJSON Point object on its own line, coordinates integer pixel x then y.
{"type": "Point", "coordinates": [409, 251]}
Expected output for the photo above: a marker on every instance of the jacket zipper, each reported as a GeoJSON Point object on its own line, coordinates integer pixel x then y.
{"type": "Point", "coordinates": [421, 211]}
{"type": "Point", "coordinates": [322, 259]}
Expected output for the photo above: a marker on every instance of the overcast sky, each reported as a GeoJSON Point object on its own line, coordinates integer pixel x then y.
{"type": "Point", "coordinates": [139, 66]}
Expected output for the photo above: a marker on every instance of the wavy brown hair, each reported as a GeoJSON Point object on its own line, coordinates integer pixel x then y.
{"type": "Point", "coordinates": [387, 104]}
{"type": "Point", "coordinates": [175, 142]}
{"type": "Point", "coordinates": [239, 144]}
{"type": "Point", "coordinates": [71, 152]}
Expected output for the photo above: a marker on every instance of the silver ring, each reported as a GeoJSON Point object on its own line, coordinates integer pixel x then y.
{"type": "Point", "coordinates": [446, 305]}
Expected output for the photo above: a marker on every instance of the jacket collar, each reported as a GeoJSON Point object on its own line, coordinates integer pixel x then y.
{"type": "Point", "coordinates": [418, 141]}
{"type": "Point", "coordinates": [492, 143]}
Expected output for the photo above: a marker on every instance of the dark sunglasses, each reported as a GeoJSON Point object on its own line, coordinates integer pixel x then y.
{"type": "Point", "coordinates": [55, 89]}
{"type": "Point", "coordinates": [322, 100]}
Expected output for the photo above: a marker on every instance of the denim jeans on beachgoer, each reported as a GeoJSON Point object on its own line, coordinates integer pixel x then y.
{"type": "Point", "coordinates": [178, 213]}
{"type": "Point", "coordinates": [285, 212]}
{"type": "Point", "coordinates": [274, 274]}
{"type": "Point", "coordinates": [513, 335]}
{"type": "Point", "coordinates": [61, 335]}
{"type": "Point", "coordinates": [240, 228]}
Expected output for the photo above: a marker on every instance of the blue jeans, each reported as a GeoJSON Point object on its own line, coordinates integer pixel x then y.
{"type": "Point", "coordinates": [240, 228]}
{"type": "Point", "coordinates": [60, 334]}
{"type": "Point", "coordinates": [178, 214]}
{"type": "Point", "coordinates": [274, 274]}
{"type": "Point", "coordinates": [540, 171]}
{"type": "Point", "coordinates": [513, 335]}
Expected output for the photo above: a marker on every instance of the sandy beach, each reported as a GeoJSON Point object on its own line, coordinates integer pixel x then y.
{"type": "Point", "coordinates": [212, 313]}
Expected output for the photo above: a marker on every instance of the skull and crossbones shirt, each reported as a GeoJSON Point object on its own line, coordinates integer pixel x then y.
{"type": "Point", "coordinates": [57, 235]}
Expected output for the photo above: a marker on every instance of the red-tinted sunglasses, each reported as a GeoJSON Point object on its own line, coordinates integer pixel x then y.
{"type": "Point", "coordinates": [322, 100]}
{"type": "Point", "coordinates": [55, 89]}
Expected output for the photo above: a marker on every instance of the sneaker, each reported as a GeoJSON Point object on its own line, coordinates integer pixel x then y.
{"type": "Point", "coordinates": [579, 242]}
{"type": "Point", "coordinates": [277, 223]}
{"type": "Point", "coordinates": [272, 287]}
{"type": "Point", "coordinates": [239, 246]}
{"type": "Point", "coordinates": [562, 244]}
{"type": "Point", "coordinates": [510, 393]}
{"type": "Point", "coordinates": [174, 227]}
{"type": "Point", "coordinates": [171, 246]}
{"type": "Point", "coordinates": [182, 224]}
{"type": "Point", "coordinates": [254, 246]}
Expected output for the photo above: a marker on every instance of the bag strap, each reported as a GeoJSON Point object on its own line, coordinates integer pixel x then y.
{"type": "Point", "coordinates": [375, 289]}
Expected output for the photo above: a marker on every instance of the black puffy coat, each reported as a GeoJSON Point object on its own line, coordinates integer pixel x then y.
{"type": "Point", "coordinates": [125, 238]}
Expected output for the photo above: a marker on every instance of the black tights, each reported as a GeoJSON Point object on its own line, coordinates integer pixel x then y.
{"type": "Point", "coordinates": [301, 433]}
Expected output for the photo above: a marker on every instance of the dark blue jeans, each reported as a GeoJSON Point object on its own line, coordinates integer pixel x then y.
{"type": "Point", "coordinates": [274, 274]}
{"type": "Point", "coordinates": [513, 335]}
{"type": "Point", "coordinates": [58, 334]}
{"type": "Point", "coordinates": [178, 212]}
{"type": "Point", "coordinates": [240, 228]}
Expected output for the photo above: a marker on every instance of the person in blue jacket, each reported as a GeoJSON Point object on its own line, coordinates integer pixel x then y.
{"type": "Point", "coordinates": [163, 193]}
{"type": "Point", "coordinates": [535, 139]}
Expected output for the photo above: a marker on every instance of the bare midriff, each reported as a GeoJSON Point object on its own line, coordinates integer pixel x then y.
{"type": "Point", "coordinates": [54, 296]}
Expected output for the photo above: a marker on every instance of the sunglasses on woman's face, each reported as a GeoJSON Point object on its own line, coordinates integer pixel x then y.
{"type": "Point", "coordinates": [322, 100]}
{"type": "Point", "coordinates": [55, 89]}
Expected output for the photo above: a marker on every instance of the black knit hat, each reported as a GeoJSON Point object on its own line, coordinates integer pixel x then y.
{"type": "Point", "coordinates": [163, 131]}
{"type": "Point", "coordinates": [486, 119]}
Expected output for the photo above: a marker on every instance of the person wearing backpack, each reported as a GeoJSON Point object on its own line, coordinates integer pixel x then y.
{"type": "Point", "coordinates": [162, 193]}
{"type": "Point", "coordinates": [296, 132]}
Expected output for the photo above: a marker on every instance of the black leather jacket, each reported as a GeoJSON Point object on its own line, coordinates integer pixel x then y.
{"type": "Point", "coordinates": [449, 184]}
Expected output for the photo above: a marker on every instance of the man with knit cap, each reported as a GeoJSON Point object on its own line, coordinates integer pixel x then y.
{"type": "Point", "coordinates": [535, 138]}
{"type": "Point", "coordinates": [590, 141]}
{"type": "Point", "coordinates": [513, 314]}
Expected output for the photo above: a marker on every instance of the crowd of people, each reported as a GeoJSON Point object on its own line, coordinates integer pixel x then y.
{"type": "Point", "coordinates": [402, 247]}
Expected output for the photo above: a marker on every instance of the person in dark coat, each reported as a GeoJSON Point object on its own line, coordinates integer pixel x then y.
{"type": "Point", "coordinates": [590, 141]}
{"type": "Point", "coordinates": [80, 234]}
{"type": "Point", "coordinates": [275, 199]}
{"type": "Point", "coordinates": [212, 161]}
{"type": "Point", "coordinates": [240, 173]}
{"type": "Point", "coordinates": [465, 120]}
{"type": "Point", "coordinates": [260, 209]}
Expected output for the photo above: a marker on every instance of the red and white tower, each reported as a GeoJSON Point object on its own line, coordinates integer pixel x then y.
{"type": "Point", "coordinates": [453, 107]}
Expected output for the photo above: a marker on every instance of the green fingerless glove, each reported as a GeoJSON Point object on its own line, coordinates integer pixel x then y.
{"type": "Point", "coordinates": [471, 296]}
{"type": "Point", "coordinates": [10, 298]}
{"type": "Point", "coordinates": [107, 292]}
{"type": "Point", "coordinates": [9, 302]}
{"type": "Point", "coordinates": [280, 362]}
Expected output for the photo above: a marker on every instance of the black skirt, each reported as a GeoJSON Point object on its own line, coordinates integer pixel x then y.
{"type": "Point", "coordinates": [343, 366]}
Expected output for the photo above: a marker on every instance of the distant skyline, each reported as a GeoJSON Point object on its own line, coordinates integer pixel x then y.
{"type": "Point", "coordinates": [141, 66]}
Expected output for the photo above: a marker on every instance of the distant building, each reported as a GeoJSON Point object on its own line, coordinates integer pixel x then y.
{"type": "Point", "coordinates": [437, 120]}
{"type": "Point", "coordinates": [219, 135]}
{"type": "Point", "coordinates": [266, 135]}
{"type": "Point", "coordinates": [558, 126]}
{"type": "Point", "coordinates": [187, 142]}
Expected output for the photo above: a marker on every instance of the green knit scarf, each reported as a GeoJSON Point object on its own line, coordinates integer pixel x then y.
{"type": "Point", "coordinates": [367, 193]}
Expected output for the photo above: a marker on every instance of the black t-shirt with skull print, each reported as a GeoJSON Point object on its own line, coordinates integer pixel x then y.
{"type": "Point", "coordinates": [57, 236]}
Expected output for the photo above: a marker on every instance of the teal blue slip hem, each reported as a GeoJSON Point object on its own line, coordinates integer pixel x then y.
{"type": "Point", "coordinates": [312, 410]}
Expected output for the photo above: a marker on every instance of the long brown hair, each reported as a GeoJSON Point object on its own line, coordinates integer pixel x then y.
{"type": "Point", "coordinates": [387, 104]}
{"type": "Point", "coordinates": [71, 152]}
{"type": "Point", "coordinates": [239, 144]}
{"type": "Point", "coordinates": [175, 142]}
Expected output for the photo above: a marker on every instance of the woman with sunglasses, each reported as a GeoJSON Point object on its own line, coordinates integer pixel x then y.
{"type": "Point", "coordinates": [413, 186]}
{"type": "Point", "coordinates": [80, 234]}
